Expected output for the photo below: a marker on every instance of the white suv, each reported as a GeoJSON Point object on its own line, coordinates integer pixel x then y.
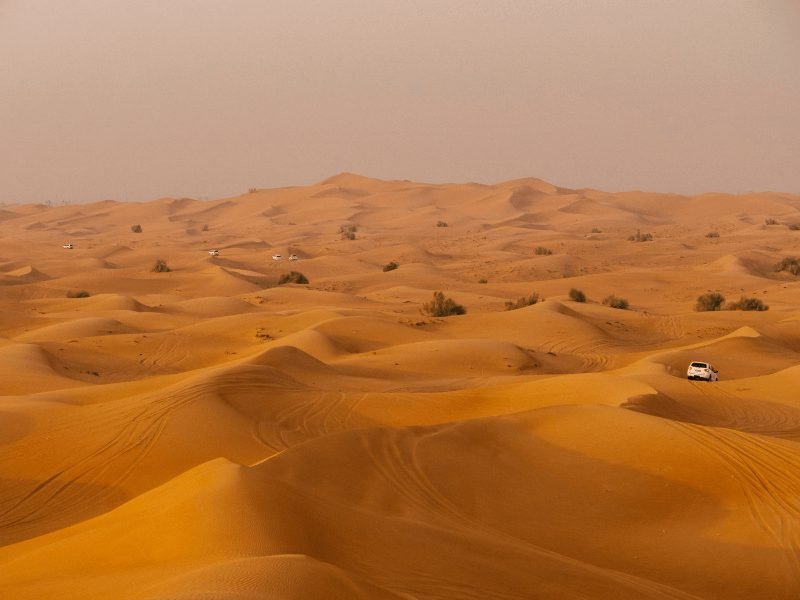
{"type": "Point", "coordinates": [702, 371]}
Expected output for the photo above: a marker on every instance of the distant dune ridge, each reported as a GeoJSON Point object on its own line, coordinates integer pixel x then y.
{"type": "Point", "coordinates": [206, 433]}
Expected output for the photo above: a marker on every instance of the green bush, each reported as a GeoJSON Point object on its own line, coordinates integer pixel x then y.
{"type": "Point", "coordinates": [483, 280]}
{"type": "Point", "coordinates": [615, 302]}
{"type": "Point", "coordinates": [441, 223]}
{"type": "Point", "coordinates": [136, 228]}
{"type": "Point", "coordinates": [596, 230]}
{"type": "Point", "coordinates": [790, 264]}
{"type": "Point", "coordinates": [390, 266]}
{"type": "Point", "coordinates": [160, 267]}
{"type": "Point", "coordinates": [709, 302]}
{"type": "Point", "coordinates": [745, 303]}
{"type": "Point", "coordinates": [771, 221]}
{"type": "Point", "coordinates": [523, 302]}
{"type": "Point", "coordinates": [542, 251]}
{"type": "Point", "coordinates": [78, 294]}
{"type": "Point", "coordinates": [640, 237]}
{"type": "Point", "coordinates": [292, 277]}
{"type": "Point", "coordinates": [442, 307]}
{"type": "Point", "coordinates": [577, 295]}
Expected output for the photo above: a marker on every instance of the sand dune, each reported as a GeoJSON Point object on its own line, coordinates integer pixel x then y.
{"type": "Point", "coordinates": [75, 328]}
{"type": "Point", "coordinates": [21, 275]}
{"type": "Point", "coordinates": [37, 367]}
{"type": "Point", "coordinates": [208, 433]}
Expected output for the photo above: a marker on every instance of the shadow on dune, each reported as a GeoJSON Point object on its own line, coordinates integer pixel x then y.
{"type": "Point", "coordinates": [749, 416]}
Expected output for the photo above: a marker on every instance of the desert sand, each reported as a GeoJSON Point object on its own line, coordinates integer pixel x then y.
{"type": "Point", "coordinates": [205, 433]}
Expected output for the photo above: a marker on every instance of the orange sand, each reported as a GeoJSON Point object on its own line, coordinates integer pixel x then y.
{"type": "Point", "coordinates": [207, 434]}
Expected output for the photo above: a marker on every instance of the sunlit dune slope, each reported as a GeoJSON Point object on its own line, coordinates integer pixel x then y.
{"type": "Point", "coordinates": [495, 507]}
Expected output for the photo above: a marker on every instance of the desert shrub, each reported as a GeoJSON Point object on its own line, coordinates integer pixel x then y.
{"type": "Point", "coordinates": [348, 232]}
{"type": "Point", "coordinates": [78, 294]}
{"type": "Point", "coordinates": [790, 264]}
{"type": "Point", "coordinates": [442, 307]}
{"type": "Point", "coordinates": [577, 295]}
{"type": "Point", "coordinates": [522, 302]}
{"type": "Point", "coordinates": [709, 302]}
{"type": "Point", "coordinates": [596, 230]}
{"type": "Point", "coordinates": [712, 234]}
{"type": "Point", "coordinates": [640, 237]}
{"type": "Point", "coordinates": [292, 277]}
{"type": "Point", "coordinates": [745, 303]}
{"type": "Point", "coordinates": [390, 266]}
{"type": "Point", "coordinates": [252, 190]}
{"type": "Point", "coordinates": [771, 221]}
{"type": "Point", "coordinates": [483, 280]}
{"type": "Point", "coordinates": [160, 266]}
{"type": "Point", "coordinates": [136, 228]}
{"type": "Point", "coordinates": [441, 223]}
{"type": "Point", "coordinates": [542, 251]}
{"type": "Point", "coordinates": [205, 227]}
{"type": "Point", "coordinates": [615, 302]}
{"type": "Point", "coordinates": [794, 226]}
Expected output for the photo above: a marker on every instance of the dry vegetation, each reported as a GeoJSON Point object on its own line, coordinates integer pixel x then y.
{"type": "Point", "coordinates": [616, 302]}
{"type": "Point", "coordinates": [745, 303]}
{"type": "Point", "coordinates": [523, 302]}
{"type": "Point", "coordinates": [790, 264]}
{"type": "Point", "coordinates": [710, 302]}
{"type": "Point", "coordinates": [348, 232]}
{"type": "Point", "coordinates": [577, 295]}
{"type": "Point", "coordinates": [442, 307]}
{"type": "Point", "coordinates": [640, 237]}
{"type": "Point", "coordinates": [160, 266]}
{"type": "Point", "coordinates": [292, 277]}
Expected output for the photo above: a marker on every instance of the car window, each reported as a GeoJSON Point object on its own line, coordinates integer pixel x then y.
{"type": "Point", "coordinates": [698, 365]}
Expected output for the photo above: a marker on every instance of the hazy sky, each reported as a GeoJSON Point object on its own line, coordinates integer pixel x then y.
{"type": "Point", "coordinates": [136, 99]}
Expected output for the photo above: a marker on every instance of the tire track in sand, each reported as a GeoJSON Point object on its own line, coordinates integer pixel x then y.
{"type": "Point", "coordinates": [314, 415]}
{"type": "Point", "coordinates": [393, 455]}
{"type": "Point", "coordinates": [93, 477]}
{"type": "Point", "coordinates": [768, 472]}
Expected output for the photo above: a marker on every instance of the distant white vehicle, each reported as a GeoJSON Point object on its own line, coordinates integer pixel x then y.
{"type": "Point", "coordinates": [68, 246]}
{"type": "Point", "coordinates": [277, 257]}
{"type": "Point", "coordinates": [294, 257]}
{"type": "Point", "coordinates": [214, 252]}
{"type": "Point", "coordinates": [702, 371]}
